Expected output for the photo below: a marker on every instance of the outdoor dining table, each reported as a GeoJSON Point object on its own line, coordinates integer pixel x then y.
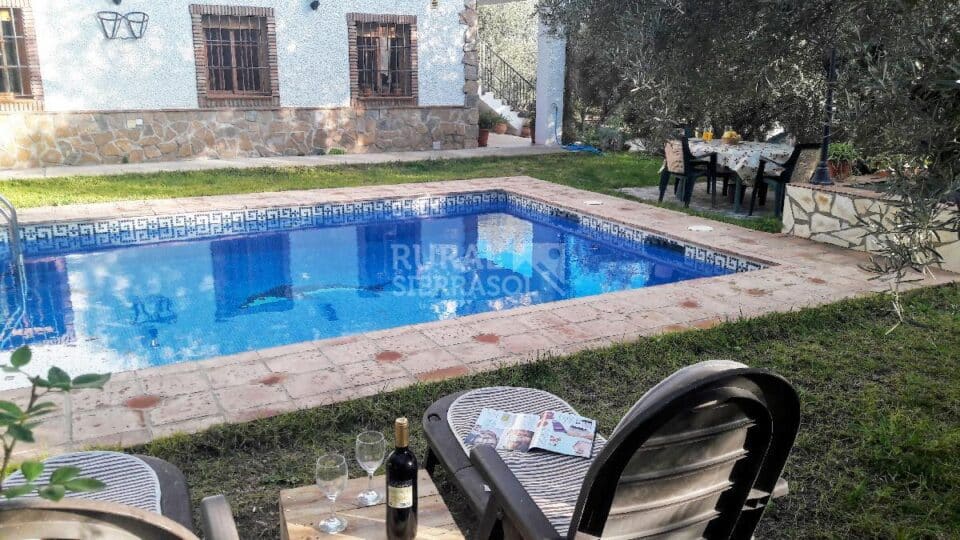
{"type": "Point", "coordinates": [743, 158]}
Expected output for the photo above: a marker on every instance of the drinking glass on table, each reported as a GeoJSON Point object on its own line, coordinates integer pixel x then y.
{"type": "Point", "coordinates": [331, 475]}
{"type": "Point", "coordinates": [708, 134]}
{"type": "Point", "coordinates": [371, 448]}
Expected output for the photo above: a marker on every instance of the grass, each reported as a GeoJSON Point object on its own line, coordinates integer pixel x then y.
{"type": "Point", "coordinates": [878, 454]}
{"type": "Point", "coordinates": [603, 174]}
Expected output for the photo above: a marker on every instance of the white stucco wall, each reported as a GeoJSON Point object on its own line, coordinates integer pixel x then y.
{"type": "Point", "coordinates": [84, 71]}
{"type": "Point", "coordinates": [551, 72]}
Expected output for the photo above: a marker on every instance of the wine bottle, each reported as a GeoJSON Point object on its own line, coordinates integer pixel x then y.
{"type": "Point", "coordinates": [401, 486]}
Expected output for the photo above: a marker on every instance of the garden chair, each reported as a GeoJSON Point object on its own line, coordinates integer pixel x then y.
{"type": "Point", "coordinates": [698, 456]}
{"type": "Point", "coordinates": [144, 498]}
{"type": "Point", "coordinates": [680, 164]}
{"type": "Point", "coordinates": [799, 168]}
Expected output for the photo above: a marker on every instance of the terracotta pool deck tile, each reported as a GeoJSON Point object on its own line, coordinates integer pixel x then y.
{"type": "Point", "coordinates": [236, 374]}
{"type": "Point", "coordinates": [649, 319]}
{"type": "Point", "coordinates": [238, 398]}
{"type": "Point", "coordinates": [566, 334]}
{"type": "Point", "coordinates": [373, 389]}
{"type": "Point", "coordinates": [193, 425]}
{"type": "Point", "coordinates": [443, 373]}
{"type": "Point", "coordinates": [405, 342]}
{"type": "Point", "coordinates": [105, 422]}
{"type": "Point", "coordinates": [505, 325]}
{"type": "Point", "coordinates": [115, 440]}
{"type": "Point", "coordinates": [365, 373]}
{"type": "Point", "coordinates": [52, 434]}
{"type": "Point", "coordinates": [177, 383]}
{"type": "Point", "coordinates": [577, 313]}
{"type": "Point", "coordinates": [525, 343]}
{"type": "Point", "coordinates": [450, 334]}
{"type": "Point", "coordinates": [358, 350]}
{"type": "Point", "coordinates": [298, 363]}
{"type": "Point", "coordinates": [113, 393]}
{"type": "Point", "coordinates": [230, 360]}
{"type": "Point", "coordinates": [183, 407]}
{"type": "Point", "coordinates": [259, 412]}
{"type": "Point", "coordinates": [429, 360]}
{"type": "Point", "coordinates": [303, 385]}
{"type": "Point", "coordinates": [170, 369]}
{"type": "Point", "coordinates": [540, 320]}
{"type": "Point", "coordinates": [472, 352]}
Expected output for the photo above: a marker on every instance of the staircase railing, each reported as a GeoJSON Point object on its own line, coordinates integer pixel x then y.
{"type": "Point", "coordinates": [505, 82]}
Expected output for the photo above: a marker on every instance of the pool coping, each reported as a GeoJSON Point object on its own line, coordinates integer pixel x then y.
{"type": "Point", "coordinates": [138, 406]}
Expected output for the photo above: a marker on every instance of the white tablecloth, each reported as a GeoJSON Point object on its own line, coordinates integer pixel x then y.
{"type": "Point", "coordinates": [743, 158]}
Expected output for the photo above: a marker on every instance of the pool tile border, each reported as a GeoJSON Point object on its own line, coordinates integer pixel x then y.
{"type": "Point", "coordinates": [138, 406]}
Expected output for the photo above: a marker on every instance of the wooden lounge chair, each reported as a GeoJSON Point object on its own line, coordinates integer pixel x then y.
{"type": "Point", "coordinates": [145, 498]}
{"type": "Point", "coordinates": [698, 456]}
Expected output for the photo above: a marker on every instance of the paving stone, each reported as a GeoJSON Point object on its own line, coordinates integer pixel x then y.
{"type": "Point", "coordinates": [500, 326]}
{"type": "Point", "coordinates": [577, 313]}
{"type": "Point", "coordinates": [236, 374]}
{"type": "Point", "coordinates": [429, 361]}
{"type": "Point", "coordinates": [365, 373]}
{"type": "Point", "coordinates": [184, 407]}
{"type": "Point", "coordinates": [194, 425]}
{"type": "Point", "coordinates": [238, 398]}
{"type": "Point", "coordinates": [443, 373]}
{"type": "Point", "coordinates": [475, 352]}
{"type": "Point", "coordinates": [106, 422]}
{"type": "Point", "coordinates": [302, 385]}
{"type": "Point", "coordinates": [352, 352]}
{"type": "Point", "coordinates": [298, 363]}
{"type": "Point", "coordinates": [453, 334]}
{"type": "Point", "coordinates": [406, 342]}
{"type": "Point", "coordinates": [174, 384]}
{"type": "Point", "coordinates": [522, 343]}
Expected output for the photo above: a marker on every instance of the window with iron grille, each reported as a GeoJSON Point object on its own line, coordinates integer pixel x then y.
{"type": "Point", "coordinates": [383, 58]}
{"type": "Point", "coordinates": [19, 78]}
{"type": "Point", "coordinates": [236, 55]}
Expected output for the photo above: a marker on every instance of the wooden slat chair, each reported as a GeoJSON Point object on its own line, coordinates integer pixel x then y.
{"type": "Point", "coordinates": [698, 456]}
{"type": "Point", "coordinates": [144, 498]}
{"type": "Point", "coordinates": [799, 168]}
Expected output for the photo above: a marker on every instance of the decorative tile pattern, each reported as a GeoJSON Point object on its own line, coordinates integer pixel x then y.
{"type": "Point", "coordinates": [79, 236]}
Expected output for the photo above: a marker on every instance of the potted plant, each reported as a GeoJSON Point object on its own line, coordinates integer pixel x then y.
{"type": "Point", "coordinates": [533, 126]}
{"type": "Point", "coordinates": [525, 130]}
{"type": "Point", "coordinates": [487, 121]}
{"type": "Point", "coordinates": [501, 125]}
{"type": "Point", "coordinates": [840, 157]}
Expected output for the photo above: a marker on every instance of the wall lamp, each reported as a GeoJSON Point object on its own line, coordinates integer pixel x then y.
{"type": "Point", "coordinates": [315, 5]}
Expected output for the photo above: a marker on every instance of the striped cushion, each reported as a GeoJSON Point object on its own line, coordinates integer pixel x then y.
{"type": "Point", "coordinates": [129, 480]}
{"type": "Point", "coordinates": [553, 481]}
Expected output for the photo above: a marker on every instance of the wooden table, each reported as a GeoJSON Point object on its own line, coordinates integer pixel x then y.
{"type": "Point", "coordinates": [301, 509]}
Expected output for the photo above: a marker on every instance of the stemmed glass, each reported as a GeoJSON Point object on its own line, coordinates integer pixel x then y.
{"type": "Point", "coordinates": [331, 474]}
{"type": "Point", "coordinates": [371, 447]}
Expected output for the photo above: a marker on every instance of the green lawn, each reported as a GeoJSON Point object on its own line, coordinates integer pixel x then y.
{"type": "Point", "coordinates": [604, 174]}
{"type": "Point", "coordinates": [878, 454]}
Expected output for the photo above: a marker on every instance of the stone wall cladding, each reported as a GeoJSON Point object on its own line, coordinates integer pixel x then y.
{"type": "Point", "coordinates": [53, 139]}
{"type": "Point", "coordinates": [836, 215]}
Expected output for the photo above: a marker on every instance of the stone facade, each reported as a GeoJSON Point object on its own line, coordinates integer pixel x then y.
{"type": "Point", "coordinates": [837, 215]}
{"type": "Point", "coordinates": [52, 139]}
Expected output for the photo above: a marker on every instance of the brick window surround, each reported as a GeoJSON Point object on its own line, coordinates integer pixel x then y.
{"type": "Point", "coordinates": [358, 100]}
{"type": "Point", "coordinates": [211, 99]}
{"type": "Point", "coordinates": [32, 97]}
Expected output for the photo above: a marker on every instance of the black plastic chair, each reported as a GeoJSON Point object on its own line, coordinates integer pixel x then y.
{"type": "Point", "coordinates": [798, 169]}
{"type": "Point", "coordinates": [680, 165]}
{"type": "Point", "coordinates": [698, 456]}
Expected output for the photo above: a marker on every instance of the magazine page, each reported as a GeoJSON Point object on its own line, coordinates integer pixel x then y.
{"type": "Point", "coordinates": [564, 433]}
{"type": "Point", "coordinates": [506, 431]}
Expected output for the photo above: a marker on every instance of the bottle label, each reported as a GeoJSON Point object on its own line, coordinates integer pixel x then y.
{"type": "Point", "coordinates": [400, 496]}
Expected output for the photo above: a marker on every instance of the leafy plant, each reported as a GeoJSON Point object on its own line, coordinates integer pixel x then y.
{"type": "Point", "coordinates": [20, 423]}
{"type": "Point", "coordinates": [488, 119]}
{"type": "Point", "coordinates": [336, 152]}
{"type": "Point", "coordinates": [842, 152]}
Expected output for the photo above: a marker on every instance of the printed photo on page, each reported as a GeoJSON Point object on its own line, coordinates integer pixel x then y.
{"type": "Point", "coordinates": [552, 431]}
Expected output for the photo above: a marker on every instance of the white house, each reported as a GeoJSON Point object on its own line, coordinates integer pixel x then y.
{"type": "Point", "coordinates": [109, 81]}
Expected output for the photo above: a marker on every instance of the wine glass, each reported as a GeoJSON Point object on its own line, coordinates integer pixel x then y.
{"type": "Point", "coordinates": [331, 474]}
{"type": "Point", "coordinates": [371, 447]}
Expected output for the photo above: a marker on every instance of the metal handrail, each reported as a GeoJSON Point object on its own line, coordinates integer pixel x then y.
{"type": "Point", "coordinates": [506, 83]}
{"type": "Point", "coordinates": [9, 213]}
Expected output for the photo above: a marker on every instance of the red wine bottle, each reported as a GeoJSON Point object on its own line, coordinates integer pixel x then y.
{"type": "Point", "coordinates": [401, 486]}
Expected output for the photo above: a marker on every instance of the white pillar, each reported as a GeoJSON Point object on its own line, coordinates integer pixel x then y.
{"type": "Point", "coordinates": [551, 71]}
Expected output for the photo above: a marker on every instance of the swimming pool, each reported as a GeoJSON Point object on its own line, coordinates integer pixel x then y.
{"type": "Point", "coordinates": [168, 289]}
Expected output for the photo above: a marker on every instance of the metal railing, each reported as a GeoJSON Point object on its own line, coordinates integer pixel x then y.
{"type": "Point", "coordinates": [15, 320]}
{"type": "Point", "coordinates": [505, 82]}
{"type": "Point", "coordinates": [9, 213]}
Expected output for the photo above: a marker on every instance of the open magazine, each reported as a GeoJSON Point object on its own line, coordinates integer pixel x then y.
{"type": "Point", "coordinates": [553, 431]}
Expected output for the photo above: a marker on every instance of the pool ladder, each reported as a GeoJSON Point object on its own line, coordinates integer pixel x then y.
{"type": "Point", "coordinates": [9, 213]}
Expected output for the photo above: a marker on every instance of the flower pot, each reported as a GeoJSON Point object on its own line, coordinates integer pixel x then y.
{"type": "Point", "coordinates": [840, 170]}
{"type": "Point", "coordinates": [533, 134]}
{"type": "Point", "coordinates": [525, 131]}
{"type": "Point", "coordinates": [483, 138]}
{"type": "Point", "coordinates": [500, 128]}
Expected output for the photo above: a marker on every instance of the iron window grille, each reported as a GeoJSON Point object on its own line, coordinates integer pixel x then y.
{"type": "Point", "coordinates": [14, 61]}
{"type": "Point", "coordinates": [384, 60]}
{"type": "Point", "coordinates": [236, 54]}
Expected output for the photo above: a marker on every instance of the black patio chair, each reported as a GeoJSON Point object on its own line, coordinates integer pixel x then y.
{"type": "Point", "coordinates": [698, 456]}
{"type": "Point", "coordinates": [798, 169]}
{"type": "Point", "coordinates": [680, 165]}
{"type": "Point", "coordinates": [144, 497]}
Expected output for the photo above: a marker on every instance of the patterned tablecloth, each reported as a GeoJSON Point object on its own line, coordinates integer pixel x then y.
{"type": "Point", "coordinates": [743, 158]}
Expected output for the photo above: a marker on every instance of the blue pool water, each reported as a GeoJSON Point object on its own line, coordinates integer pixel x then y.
{"type": "Point", "coordinates": [153, 304]}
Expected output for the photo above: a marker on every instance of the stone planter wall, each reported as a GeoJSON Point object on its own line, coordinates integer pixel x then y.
{"type": "Point", "coordinates": [832, 214]}
{"type": "Point", "coordinates": [51, 139]}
